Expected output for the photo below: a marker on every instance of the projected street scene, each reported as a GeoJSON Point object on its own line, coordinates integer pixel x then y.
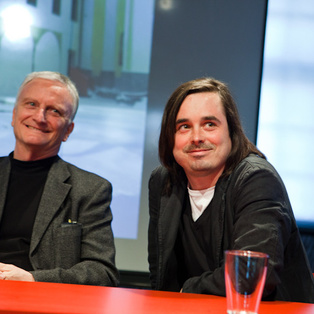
{"type": "Point", "coordinates": [104, 47]}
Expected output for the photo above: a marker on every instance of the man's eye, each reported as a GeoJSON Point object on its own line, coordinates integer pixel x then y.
{"type": "Point", "coordinates": [55, 112]}
{"type": "Point", "coordinates": [210, 124]}
{"type": "Point", "coordinates": [183, 127]}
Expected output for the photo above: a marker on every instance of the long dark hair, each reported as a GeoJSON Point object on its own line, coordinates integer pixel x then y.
{"type": "Point", "coordinates": [241, 145]}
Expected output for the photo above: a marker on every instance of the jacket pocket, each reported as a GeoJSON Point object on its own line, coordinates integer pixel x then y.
{"type": "Point", "coordinates": [68, 245]}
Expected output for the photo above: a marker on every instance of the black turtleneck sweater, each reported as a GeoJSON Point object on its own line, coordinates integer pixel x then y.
{"type": "Point", "coordinates": [26, 185]}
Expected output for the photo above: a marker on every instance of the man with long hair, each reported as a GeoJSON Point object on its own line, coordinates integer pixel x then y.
{"type": "Point", "coordinates": [215, 191]}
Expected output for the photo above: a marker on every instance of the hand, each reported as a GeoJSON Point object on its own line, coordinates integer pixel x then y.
{"type": "Point", "coordinates": [11, 272]}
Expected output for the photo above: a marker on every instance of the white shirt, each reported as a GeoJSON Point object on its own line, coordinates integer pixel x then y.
{"type": "Point", "coordinates": [199, 200]}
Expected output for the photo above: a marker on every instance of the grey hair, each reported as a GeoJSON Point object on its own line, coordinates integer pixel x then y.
{"type": "Point", "coordinates": [54, 76]}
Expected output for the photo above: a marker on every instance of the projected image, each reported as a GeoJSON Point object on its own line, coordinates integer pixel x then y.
{"type": "Point", "coordinates": [286, 128]}
{"type": "Point", "coordinates": [104, 47]}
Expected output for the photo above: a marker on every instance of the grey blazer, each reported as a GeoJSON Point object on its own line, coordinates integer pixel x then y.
{"type": "Point", "coordinates": [80, 252]}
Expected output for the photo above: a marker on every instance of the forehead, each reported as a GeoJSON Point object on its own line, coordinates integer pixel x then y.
{"type": "Point", "coordinates": [201, 103]}
{"type": "Point", "coordinates": [41, 85]}
{"type": "Point", "coordinates": [45, 89]}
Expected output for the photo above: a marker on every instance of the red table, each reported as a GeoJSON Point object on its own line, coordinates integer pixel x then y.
{"type": "Point", "coordinates": [39, 297]}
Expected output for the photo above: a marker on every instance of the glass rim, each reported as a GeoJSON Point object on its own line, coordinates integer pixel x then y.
{"type": "Point", "coordinates": [247, 253]}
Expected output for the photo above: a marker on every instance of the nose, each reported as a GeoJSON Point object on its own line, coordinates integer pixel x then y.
{"type": "Point", "coordinates": [197, 136]}
{"type": "Point", "coordinates": [40, 115]}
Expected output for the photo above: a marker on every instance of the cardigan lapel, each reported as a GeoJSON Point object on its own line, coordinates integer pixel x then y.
{"type": "Point", "coordinates": [170, 216]}
{"type": "Point", "coordinates": [219, 207]}
{"type": "Point", "coordinates": [168, 224]}
{"type": "Point", "coordinates": [5, 167]}
{"type": "Point", "coordinates": [55, 192]}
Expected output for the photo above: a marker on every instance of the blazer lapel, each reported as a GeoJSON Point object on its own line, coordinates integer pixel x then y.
{"type": "Point", "coordinates": [55, 191]}
{"type": "Point", "coordinates": [5, 167]}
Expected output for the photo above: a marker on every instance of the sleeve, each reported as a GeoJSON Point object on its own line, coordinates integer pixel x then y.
{"type": "Point", "coordinates": [262, 222]}
{"type": "Point", "coordinates": [154, 200]}
{"type": "Point", "coordinates": [95, 264]}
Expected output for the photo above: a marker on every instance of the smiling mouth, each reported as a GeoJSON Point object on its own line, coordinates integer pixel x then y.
{"type": "Point", "coordinates": [198, 150]}
{"type": "Point", "coordinates": [198, 153]}
{"type": "Point", "coordinates": [36, 129]}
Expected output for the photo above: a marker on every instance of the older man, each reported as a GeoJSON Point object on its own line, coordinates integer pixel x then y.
{"type": "Point", "coordinates": [55, 219]}
{"type": "Point", "coordinates": [216, 192]}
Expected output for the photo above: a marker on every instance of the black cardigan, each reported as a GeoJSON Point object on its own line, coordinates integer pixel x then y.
{"type": "Point", "coordinates": [253, 212]}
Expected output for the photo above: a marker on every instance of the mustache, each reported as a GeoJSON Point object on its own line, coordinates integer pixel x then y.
{"type": "Point", "coordinates": [192, 147]}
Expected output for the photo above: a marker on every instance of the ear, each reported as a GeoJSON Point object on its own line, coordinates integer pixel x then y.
{"type": "Point", "coordinates": [68, 132]}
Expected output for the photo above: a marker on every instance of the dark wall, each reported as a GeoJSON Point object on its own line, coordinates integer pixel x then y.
{"type": "Point", "coordinates": [219, 38]}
